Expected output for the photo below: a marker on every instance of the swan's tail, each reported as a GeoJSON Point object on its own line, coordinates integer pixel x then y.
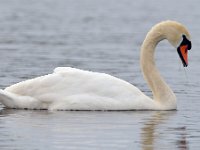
{"type": "Point", "coordinates": [11, 100]}
{"type": "Point", "coordinates": [7, 99]}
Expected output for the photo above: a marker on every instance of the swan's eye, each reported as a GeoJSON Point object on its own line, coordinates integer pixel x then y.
{"type": "Point", "coordinates": [183, 48]}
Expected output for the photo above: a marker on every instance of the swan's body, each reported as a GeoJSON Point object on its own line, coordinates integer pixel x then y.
{"type": "Point", "coordinates": [73, 89]}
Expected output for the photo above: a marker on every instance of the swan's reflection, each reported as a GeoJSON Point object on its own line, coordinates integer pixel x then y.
{"type": "Point", "coordinates": [149, 135]}
{"type": "Point", "coordinates": [182, 142]}
{"type": "Point", "coordinates": [156, 133]}
{"type": "Point", "coordinates": [148, 131]}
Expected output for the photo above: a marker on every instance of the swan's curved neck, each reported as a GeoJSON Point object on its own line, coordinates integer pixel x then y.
{"type": "Point", "coordinates": [161, 91]}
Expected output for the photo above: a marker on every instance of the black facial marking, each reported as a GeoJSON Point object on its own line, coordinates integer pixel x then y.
{"type": "Point", "coordinates": [186, 42]}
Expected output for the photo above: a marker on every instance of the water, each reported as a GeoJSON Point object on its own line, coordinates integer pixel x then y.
{"type": "Point", "coordinates": [103, 36]}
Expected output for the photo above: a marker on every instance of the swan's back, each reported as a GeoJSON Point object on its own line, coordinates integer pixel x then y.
{"type": "Point", "coordinates": [70, 88]}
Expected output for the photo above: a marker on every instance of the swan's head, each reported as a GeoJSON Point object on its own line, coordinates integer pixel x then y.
{"type": "Point", "coordinates": [179, 37]}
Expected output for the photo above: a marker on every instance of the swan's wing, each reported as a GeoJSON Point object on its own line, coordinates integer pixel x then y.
{"type": "Point", "coordinates": [71, 88]}
{"type": "Point", "coordinates": [96, 83]}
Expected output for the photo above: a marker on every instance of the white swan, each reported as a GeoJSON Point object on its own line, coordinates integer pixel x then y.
{"type": "Point", "coordinates": [73, 89]}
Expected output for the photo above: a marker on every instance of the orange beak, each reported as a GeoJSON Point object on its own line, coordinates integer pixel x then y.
{"type": "Point", "coordinates": [184, 53]}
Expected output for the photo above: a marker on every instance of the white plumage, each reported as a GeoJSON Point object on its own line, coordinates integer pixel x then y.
{"type": "Point", "coordinates": [73, 89]}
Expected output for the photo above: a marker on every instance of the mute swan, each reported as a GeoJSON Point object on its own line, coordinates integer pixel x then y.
{"type": "Point", "coordinates": [73, 89]}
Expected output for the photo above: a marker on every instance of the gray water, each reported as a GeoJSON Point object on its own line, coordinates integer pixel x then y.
{"type": "Point", "coordinates": [103, 36]}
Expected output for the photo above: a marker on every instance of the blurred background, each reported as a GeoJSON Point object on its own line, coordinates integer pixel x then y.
{"type": "Point", "coordinates": [104, 36]}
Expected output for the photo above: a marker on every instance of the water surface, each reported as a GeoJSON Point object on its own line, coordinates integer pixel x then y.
{"type": "Point", "coordinates": [103, 36]}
